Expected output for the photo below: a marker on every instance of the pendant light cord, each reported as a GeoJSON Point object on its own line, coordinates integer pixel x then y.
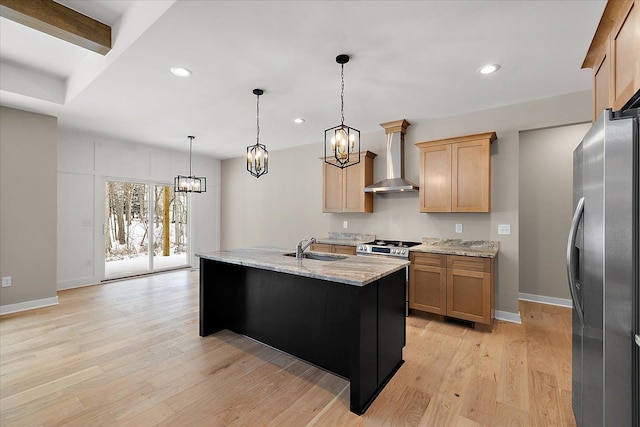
{"type": "Point", "coordinates": [257, 119]}
{"type": "Point", "coordinates": [342, 94]}
{"type": "Point", "coordinates": [190, 145]}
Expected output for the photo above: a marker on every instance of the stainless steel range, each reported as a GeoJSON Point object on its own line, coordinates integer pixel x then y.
{"type": "Point", "coordinates": [395, 248]}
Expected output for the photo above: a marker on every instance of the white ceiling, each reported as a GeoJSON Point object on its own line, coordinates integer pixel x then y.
{"type": "Point", "coordinates": [416, 60]}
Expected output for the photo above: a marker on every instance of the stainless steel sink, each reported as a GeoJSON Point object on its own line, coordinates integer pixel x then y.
{"type": "Point", "coordinates": [317, 257]}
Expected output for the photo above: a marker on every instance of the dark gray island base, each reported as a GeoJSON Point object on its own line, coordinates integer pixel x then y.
{"type": "Point", "coordinates": [355, 332]}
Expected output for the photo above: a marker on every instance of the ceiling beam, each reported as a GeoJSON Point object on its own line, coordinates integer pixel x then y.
{"type": "Point", "coordinates": [59, 21]}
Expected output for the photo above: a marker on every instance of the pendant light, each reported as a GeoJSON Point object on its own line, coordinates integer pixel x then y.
{"type": "Point", "coordinates": [342, 142]}
{"type": "Point", "coordinates": [257, 155]}
{"type": "Point", "coordinates": [191, 183]}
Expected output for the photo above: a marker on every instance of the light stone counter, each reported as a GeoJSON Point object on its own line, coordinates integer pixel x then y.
{"type": "Point", "coordinates": [346, 239]}
{"type": "Point", "coordinates": [353, 270]}
{"type": "Point", "coordinates": [476, 248]}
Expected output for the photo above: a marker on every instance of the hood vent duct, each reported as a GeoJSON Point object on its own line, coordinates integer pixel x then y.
{"type": "Point", "coordinates": [395, 181]}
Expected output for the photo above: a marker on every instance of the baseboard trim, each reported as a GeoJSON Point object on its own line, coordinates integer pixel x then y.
{"type": "Point", "coordinates": [28, 305]}
{"type": "Point", "coordinates": [78, 283]}
{"type": "Point", "coordinates": [508, 316]}
{"type": "Point", "coordinates": [562, 302]}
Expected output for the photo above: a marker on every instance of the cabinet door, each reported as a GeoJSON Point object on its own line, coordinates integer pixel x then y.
{"type": "Point", "coordinates": [435, 178]}
{"type": "Point", "coordinates": [625, 55]}
{"type": "Point", "coordinates": [601, 89]}
{"type": "Point", "coordinates": [428, 288]}
{"type": "Point", "coordinates": [469, 288]}
{"type": "Point", "coordinates": [353, 188]}
{"type": "Point", "coordinates": [470, 176]}
{"type": "Point", "coordinates": [343, 189]}
{"type": "Point", "coordinates": [344, 249]}
{"type": "Point", "coordinates": [428, 283]}
{"type": "Point", "coordinates": [332, 188]}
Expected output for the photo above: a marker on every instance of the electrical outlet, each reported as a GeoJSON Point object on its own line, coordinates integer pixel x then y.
{"type": "Point", "coordinates": [87, 263]}
{"type": "Point", "coordinates": [86, 222]}
{"type": "Point", "coordinates": [6, 281]}
{"type": "Point", "coordinates": [458, 228]}
{"type": "Point", "coordinates": [345, 224]}
{"type": "Point", "coordinates": [504, 228]}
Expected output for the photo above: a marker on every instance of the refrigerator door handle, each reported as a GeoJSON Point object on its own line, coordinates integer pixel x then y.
{"type": "Point", "coordinates": [571, 261]}
{"type": "Point", "coordinates": [638, 340]}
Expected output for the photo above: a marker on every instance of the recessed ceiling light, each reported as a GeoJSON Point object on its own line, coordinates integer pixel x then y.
{"type": "Point", "coordinates": [489, 68]}
{"type": "Point", "coordinates": [180, 71]}
{"type": "Point", "coordinates": [298, 120]}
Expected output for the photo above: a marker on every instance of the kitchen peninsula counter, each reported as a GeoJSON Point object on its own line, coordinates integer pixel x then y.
{"type": "Point", "coordinates": [351, 270]}
{"type": "Point", "coordinates": [346, 316]}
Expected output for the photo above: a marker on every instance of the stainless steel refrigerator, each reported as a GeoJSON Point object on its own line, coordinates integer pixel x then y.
{"type": "Point", "coordinates": [602, 267]}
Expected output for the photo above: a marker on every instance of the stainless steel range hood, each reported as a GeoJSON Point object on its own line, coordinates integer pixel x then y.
{"type": "Point", "coordinates": [395, 181]}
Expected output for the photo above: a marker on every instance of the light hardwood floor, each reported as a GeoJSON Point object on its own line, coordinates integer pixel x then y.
{"type": "Point", "coordinates": [128, 353]}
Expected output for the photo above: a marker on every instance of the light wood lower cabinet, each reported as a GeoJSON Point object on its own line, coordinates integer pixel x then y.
{"type": "Point", "coordinates": [452, 285]}
{"type": "Point", "coordinates": [333, 249]}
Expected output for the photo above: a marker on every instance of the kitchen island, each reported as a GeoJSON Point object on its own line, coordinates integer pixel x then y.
{"type": "Point", "coordinates": [344, 315]}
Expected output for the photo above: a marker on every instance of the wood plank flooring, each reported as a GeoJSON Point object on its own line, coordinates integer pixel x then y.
{"type": "Point", "coordinates": [128, 353]}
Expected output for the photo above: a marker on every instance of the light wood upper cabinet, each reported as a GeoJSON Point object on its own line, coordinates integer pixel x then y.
{"type": "Point", "coordinates": [601, 82]}
{"type": "Point", "coordinates": [625, 55]}
{"type": "Point", "coordinates": [614, 56]}
{"type": "Point", "coordinates": [343, 189]}
{"type": "Point", "coordinates": [455, 174]}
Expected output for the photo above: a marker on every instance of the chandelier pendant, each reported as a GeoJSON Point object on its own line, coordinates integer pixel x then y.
{"type": "Point", "coordinates": [257, 154]}
{"type": "Point", "coordinates": [191, 183]}
{"type": "Point", "coordinates": [342, 142]}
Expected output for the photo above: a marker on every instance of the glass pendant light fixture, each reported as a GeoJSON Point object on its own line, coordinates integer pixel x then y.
{"type": "Point", "coordinates": [342, 142]}
{"type": "Point", "coordinates": [191, 183]}
{"type": "Point", "coordinates": [257, 155]}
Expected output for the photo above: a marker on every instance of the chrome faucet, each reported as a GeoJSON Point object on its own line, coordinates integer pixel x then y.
{"type": "Point", "coordinates": [300, 249]}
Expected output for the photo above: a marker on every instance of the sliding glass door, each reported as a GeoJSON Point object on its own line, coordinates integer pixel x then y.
{"type": "Point", "coordinates": [145, 228]}
{"type": "Point", "coordinates": [170, 228]}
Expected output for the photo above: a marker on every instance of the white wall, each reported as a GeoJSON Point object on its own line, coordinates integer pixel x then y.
{"type": "Point", "coordinates": [85, 162]}
{"type": "Point", "coordinates": [27, 209]}
{"type": "Point", "coordinates": [546, 192]}
{"type": "Point", "coordinates": [285, 205]}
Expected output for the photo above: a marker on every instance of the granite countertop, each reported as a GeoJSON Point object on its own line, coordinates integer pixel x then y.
{"type": "Point", "coordinates": [477, 248]}
{"type": "Point", "coordinates": [346, 239]}
{"type": "Point", "coordinates": [352, 270]}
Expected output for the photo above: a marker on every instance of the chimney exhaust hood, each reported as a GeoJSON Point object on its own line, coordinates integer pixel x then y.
{"type": "Point", "coordinates": [395, 181]}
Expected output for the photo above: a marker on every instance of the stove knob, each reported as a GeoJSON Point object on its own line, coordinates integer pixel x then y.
{"type": "Point", "coordinates": [403, 252]}
{"type": "Point", "coordinates": [359, 248]}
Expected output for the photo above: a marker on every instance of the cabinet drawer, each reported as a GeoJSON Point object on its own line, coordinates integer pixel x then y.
{"type": "Point", "coordinates": [433, 260]}
{"type": "Point", "coordinates": [455, 262]}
